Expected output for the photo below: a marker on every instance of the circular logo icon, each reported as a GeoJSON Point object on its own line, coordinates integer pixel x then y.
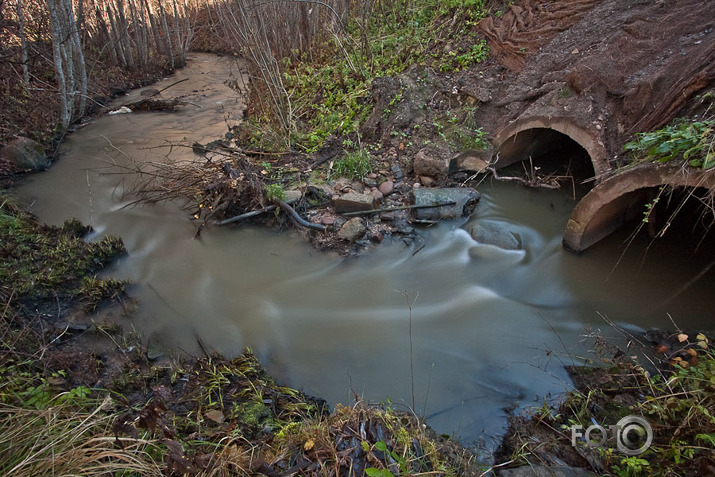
{"type": "Point", "coordinates": [635, 435]}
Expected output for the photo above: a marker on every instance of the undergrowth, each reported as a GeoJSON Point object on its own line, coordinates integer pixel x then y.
{"type": "Point", "coordinates": [329, 86]}
{"type": "Point", "coordinates": [694, 141]}
{"type": "Point", "coordinates": [41, 264]}
{"type": "Point", "coordinates": [675, 394]}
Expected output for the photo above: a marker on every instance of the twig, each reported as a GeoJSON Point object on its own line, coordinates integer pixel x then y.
{"type": "Point", "coordinates": [402, 207]}
{"type": "Point", "coordinates": [538, 184]}
{"type": "Point", "coordinates": [298, 219]}
{"type": "Point", "coordinates": [247, 215]}
{"type": "Point", "coordinates": [172, 84]}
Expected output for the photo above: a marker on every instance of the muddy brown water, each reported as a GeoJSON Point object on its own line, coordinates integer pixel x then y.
{"type": "Point", "coordinates": [491, 329]}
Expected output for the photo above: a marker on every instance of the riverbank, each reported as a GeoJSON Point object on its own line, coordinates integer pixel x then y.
{"type": "Point", "coordinates": [90, 398]}
{"type": "Point", "coordinates": [210, 428]}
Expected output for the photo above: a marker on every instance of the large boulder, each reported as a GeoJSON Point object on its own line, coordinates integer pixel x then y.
{"type": "Point", "coordinates": [432, 163]}
{"type": "Point", "coordinates": [471, 161]}
{"type": "Point", "coordinates": [353, 202]}
{"type": "Point", "coordinates": [352, 230]}
{"type": "Point", "coordinates": [459, 202]}
{"type": "Point", "coordinates": [24, 154]}
{"type": "Point", "coordinates": [495, 233]}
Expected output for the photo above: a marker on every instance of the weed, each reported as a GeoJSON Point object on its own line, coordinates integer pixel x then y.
{"type": "Point", "coordinates": [327, 89]}
{"type": "Point", "coordinates": [354, 165]}
{"type": "Point", "coordinates": [274, 192]}
{"type": "Point", "coordinates": [694, 141]}
{"type": "Point", "coordinates": [678, 403]}
{"type": "Point", "coordinates": [455, 61]}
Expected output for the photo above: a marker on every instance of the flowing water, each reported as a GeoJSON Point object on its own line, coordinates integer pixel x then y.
{"type": "Point", "coordinates": [490, 328]}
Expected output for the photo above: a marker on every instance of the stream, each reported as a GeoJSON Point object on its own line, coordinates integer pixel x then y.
{"type": "Point", "coordinates": [491, 329]}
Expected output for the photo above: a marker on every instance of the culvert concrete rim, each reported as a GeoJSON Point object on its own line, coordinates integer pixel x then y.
{"type": "Point", "coordinates": [564, 125]}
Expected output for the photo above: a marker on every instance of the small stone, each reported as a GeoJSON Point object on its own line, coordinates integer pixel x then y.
{"type": "Point", "coordinates": [430, 163]}
{"type": "Point", "coordinates": [387, 187]}
{"type": "Point", "coordinates": [353, 202]}
{"type": "Point", "coordinates": [399, 175]}
{"type": "Point", "coordinates": [327, 220]}
{"type": "Point", "coordinates": [427, 181]}
{"type": "Point", "coordinates": [292, 196]}
{"type": "Point", "coordinates": [377, 195]}
{"type": "Point", "coordinates": [352, 230]}
{"type": "Point", "coordinates": [370, 182]}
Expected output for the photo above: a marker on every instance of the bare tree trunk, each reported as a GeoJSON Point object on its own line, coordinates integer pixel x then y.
{"type": "Point", "coordinates": [106, 35]}
{"type": "Point", "coordinates": [77, 62]}
{"type": "Point", "coordinates": [123, 32]}
{"type": "Point", "coordinates": [59, 58]}
{"type": "Point", "coordinates": [177, 30]}
{"type": "Point", "coordinates": [115, 37]}
{"type": "Point", "coordinates": [23, 45]}
{"type": "Point", "coordinates": [167, 35]}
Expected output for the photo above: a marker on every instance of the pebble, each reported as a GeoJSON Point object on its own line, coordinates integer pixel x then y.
{"type": "Point", "coordinates": [387, 187]}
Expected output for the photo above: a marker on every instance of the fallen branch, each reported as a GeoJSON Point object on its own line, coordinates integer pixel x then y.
{"type": "Point", "coordinates": [298, 219]}
{"type": "Point", "coordinates": [536, 182]}
{"type": "Point", "coordinates": [247, 215]}
{"type": "Point", "coordinates": [403, 207]}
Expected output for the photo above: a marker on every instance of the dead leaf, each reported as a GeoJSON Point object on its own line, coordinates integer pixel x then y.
{"type": "Point", "coordinates": [682, 337]}
{"type": "Point", "coordinates": [215, 415]}
{"type": "Point", "coordinates": [309, 444]}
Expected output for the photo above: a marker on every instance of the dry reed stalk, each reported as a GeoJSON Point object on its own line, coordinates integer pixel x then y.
{"type": "Point", "coordinates": [61, 440]}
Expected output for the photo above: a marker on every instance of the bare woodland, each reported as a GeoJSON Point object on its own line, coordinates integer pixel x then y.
{"type": "Point", "coordinates": [57, 55]}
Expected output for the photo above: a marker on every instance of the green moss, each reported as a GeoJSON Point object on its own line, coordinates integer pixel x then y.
{"type": "Point", "coordinates": [41, 264]}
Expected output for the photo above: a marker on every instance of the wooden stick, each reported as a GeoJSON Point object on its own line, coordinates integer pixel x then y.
{"type": "Point", "coordinates": [247, 215]}
{"type": "Point", "coordinates": [404, 207]}
{"type": "Point", "coordinates": [298, 219]}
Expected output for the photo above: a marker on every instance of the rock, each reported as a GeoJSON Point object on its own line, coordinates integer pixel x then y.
{"type": "Point", "coordinates": [470, 161]}
{"type": "Point", "coordinates": [495, 233]}
{"type": "Point", "coordinates": [353, 202]}
{"type": "Point", "coordinates": [292, 196]}
{"type": "Point", "coordinates": [369, 182]}
{"type": "Point", "coordinates": [465, 199]}
{"type": "Point", "coordinates": [377, 195]}
{"type": "Point", "coordinates": [546, 471]}
{"type": "Point", "coordinates": [431, 163]}
{"type": "Point", "coordinates": [154, 348]}
{"type": "Point", "coordinates": [387, 187]}
{"type": "Point", "coordinates": [399, 175]}
{"type": "Point", "coordinates": [427, 181]}
{"type": "Point", "coordinates": [352, 230]}
{"type": "Point", "coordinates": [25, 154]}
